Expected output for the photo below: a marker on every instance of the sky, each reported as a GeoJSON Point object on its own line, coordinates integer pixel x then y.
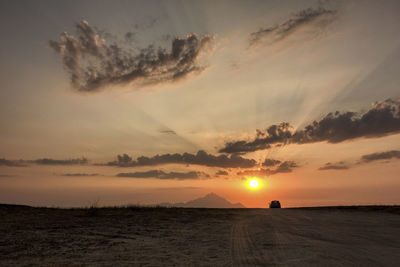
{"type": "Point", "coordinates": [143, 102]}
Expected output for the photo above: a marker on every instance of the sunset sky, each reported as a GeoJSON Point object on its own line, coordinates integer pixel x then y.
{"type": "Point", "coordinates": [142, 102]}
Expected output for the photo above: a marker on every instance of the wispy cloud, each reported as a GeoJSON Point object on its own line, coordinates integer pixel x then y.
{"type": "Point", "coordinates": [80, 174]}
{"type": "Point", "coordinates": [393, 154]}
{"type": "Point", "coordinates": [171, 132]}
{"type": "Point", "coordinates": [93, 64]}
{"type": "Point", "coordinates": [11, 163]}
{"type": "Point", "coordinates": [381, 120]}
{"type": "Point", "coordinates": [365, 159]}
{"type": "Point", "coordinates": [7, 175]}
{"type": "Point", "coordinates": [317, 18]}
{"type": "Point", "coordinates": [49, 161]}
{"type": "Point", "coordinates": [341, 165]}
{"type": "Point", "coordinates": [43, 161]}
{"type": "Point", "coordinates": [200, 158]}
{"type": "Point", "coordinates": [284, 167]}
{"type": "Point", "coordinates": [165, 175]}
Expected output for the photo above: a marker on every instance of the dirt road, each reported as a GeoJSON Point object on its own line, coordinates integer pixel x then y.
{"type": "Point", "coordinates": [198, 237]}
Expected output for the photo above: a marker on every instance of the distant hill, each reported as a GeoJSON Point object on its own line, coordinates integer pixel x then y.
{"type": "Point", "coordinates": [208, 201]}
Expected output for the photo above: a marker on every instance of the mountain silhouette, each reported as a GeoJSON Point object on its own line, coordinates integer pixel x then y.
{"type": "Point", "coordinates": [211, 200]}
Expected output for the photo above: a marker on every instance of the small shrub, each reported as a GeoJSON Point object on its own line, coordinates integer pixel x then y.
{"type": "Point", "coordinates": [93, 209]}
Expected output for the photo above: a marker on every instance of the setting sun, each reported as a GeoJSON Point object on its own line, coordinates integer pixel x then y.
{"type": "Point", "coordinates": [254, 183]}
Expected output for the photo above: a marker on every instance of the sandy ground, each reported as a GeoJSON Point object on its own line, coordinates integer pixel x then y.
{"type": "Point", "coordinates": [199, 237]}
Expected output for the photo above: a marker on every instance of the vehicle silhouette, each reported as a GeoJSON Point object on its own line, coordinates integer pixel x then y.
{"type": "Point", "coordinates": [275, 204]}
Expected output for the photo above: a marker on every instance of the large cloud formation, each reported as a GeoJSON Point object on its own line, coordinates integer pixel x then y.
{"type": "Point", "coordinates": [381, 120]}
{"type": "Point", "coordinates": [319, 18]}
{"type": "Point", "coordinates": [200, 158]}
{"type": "Point", "coordinates": [93, 64]}
{"type": "Point", "coordinates": [165, 175]}
{"type": "Point", "coordinates": [284, 167]}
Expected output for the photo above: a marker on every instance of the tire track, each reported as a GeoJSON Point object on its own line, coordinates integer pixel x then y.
{"type": "Point", "coordinates": [244, 251]}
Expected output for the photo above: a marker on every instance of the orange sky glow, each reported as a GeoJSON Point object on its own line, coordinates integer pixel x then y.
{"type": "Point", "coordinates": [144, 103]}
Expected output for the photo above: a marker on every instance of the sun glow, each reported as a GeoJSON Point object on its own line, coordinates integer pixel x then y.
{"type": "Point", "coordinates": [253, 183]}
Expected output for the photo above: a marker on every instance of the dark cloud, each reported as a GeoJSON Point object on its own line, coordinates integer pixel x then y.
{"type": "Point", "coordinates": [165, 175]}
{"type": "Point", "coordinates": [11, 163]}
{"type": "Point", "coordinates": [381, 120]}
{"type": "Point", "coordinates": [200, 158]}
{"type": "Point", "coordinates": [93, 64]}
{"type": "Point", "coordinates": [270, 162]}
{"type": "Point", "coordinates": [319, 18]}
{"type": "Point", "coordinates": [380, 156]}
{"type": "Point", "coordinates": [80, 174]}
{"type": "Point", "coordinates": [284, 167]}
{"type": "Point", "coordinates": [48, 161]}
{"type": "Point", "coordinates": [272, 135]}
{"type": "Point", "coordinates": [335, 166]}
{"type": "Point", "coordinates": [221, 172]}
{"type": "Point", "coordinates": [123, 160]}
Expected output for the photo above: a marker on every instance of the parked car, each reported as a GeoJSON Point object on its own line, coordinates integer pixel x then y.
{"type": "Point", "coordinates": [275, 204]}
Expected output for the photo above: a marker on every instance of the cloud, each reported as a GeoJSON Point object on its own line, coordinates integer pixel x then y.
{"type": "Point", "coordinates": [48, 161]}
{"type": "Point", "coordinates": [381, 120]}
{"type": "Point", "coordinates": [144, 25]}
{"type": "Point", "coordinates": [284, 167]}
{"type": "Point", "coordinates": [7, 175]}
{"type": "Point", "coordinates": [130, 36]}
{"type": "Point", "coordinates": [200, 158]}
{"type": "Point", "coordinates": [93, 64]}
{"type": "Point", "coordinates": [368, 158]}
{"type": "Point", "coordinates": [221, 172]}
{"type": "Point", "coordinates": [165, 175]}
{"type": "Point", "coordinates": [341, 165]}
{"type": "Point", "coordinates": [171, 132]}
{"type": "Point", "coordinates": [317, 18]}
{"type": "Point", "coordinates": [263, 140]}
{"type": "Point", "coordinates": [11, 163]}
{"type": "Point", "coordinates": [80, 174]}
{"type": "Point", "coordinates": [43, 161]}
{"type": "Point", "coordinates": [380, 156]}
{"type": "Point", "coordinates": [270, 162]}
